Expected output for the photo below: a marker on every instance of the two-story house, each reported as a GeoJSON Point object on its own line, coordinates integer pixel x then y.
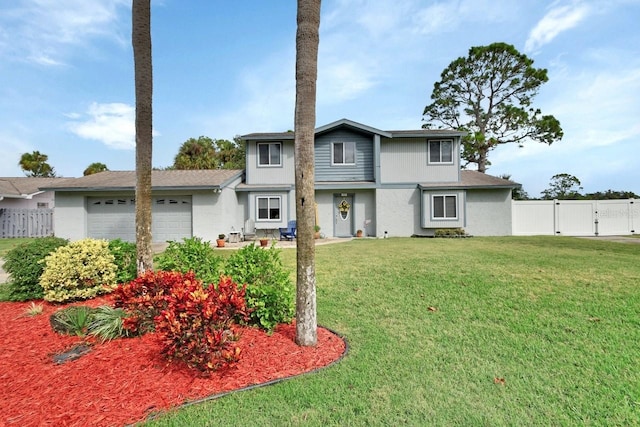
{"type": "Point", "coordinates": [401, 183]}
{"type": "Point", "coordinates": [386, 183]}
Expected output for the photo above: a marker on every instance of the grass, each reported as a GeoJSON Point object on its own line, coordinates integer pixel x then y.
{"type": "Point", "coordinates": [521, 331]}
{"type": "Point", "coordinates": [8, 244]}
{"type": "Point", "coordinates": [480, 331]}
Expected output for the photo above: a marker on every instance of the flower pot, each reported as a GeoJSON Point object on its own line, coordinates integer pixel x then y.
{"type": "Point", "coordinates": [264, 242]}
{"type": "Point", "coordinates": [220, 243]}
{"type": "Point", "coordinates": [359, 233]}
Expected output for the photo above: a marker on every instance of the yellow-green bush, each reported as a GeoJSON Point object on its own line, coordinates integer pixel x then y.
{"type": "Point", "coordinates": [79, 270]}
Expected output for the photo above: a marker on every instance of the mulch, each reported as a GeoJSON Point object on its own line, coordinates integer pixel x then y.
{"type": "Point", "coordinates": [125, 381]}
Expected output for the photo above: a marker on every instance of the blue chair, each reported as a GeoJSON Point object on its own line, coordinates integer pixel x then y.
{"type": "Point", "coordinates": [288, 233]}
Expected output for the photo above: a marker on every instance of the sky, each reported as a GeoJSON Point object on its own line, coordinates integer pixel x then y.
{"type": "Point", "coordinates": [225, 68]}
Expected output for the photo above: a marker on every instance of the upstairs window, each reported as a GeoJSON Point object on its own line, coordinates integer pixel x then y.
{"type": "Point", "coordinates": [441, 151]}
{"type": "Point", "coordinates": [268, 208]}
{"type": "Point", "coordinates": [343, 153]}
{"type": "Point", "coordinates": [445, 207]}
{"type": "Point", "coordinates": [269, 154]}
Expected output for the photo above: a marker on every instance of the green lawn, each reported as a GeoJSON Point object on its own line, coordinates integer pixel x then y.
{"type": "Point", "coordinates": [8, 244]}
{"type": "Point", "coordinates": [432, 324]}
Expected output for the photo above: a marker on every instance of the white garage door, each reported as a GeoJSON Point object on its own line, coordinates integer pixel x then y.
{"type": "Point", "coordinates": [114, 217]}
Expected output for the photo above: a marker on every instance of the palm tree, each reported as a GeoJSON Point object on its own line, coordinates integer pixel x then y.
{"type": "Point", "coordinates": [141, 41]}
{"type": "Point", "coordinates": [307, 40]}
{"type": "Point", "coordinates": [35, 165]}
{"type": "Point", "coordinates": [95, 167]}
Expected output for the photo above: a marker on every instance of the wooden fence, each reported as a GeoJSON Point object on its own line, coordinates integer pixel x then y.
{"type": "Point", "coordinates": [26, 222]}
{"type": "Point", "coordinates": [575, 217]}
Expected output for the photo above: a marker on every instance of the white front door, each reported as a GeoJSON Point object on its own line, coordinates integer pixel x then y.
{"type": "Point", "coordinates": [343, 215]}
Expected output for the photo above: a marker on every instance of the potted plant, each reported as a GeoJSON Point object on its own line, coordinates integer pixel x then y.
{"type": "Point", "coordinates": [359, 233]}
{"type": "Point", "coordinates": [317, 231]}
{"type": "Point", "coordinates": [220, 240]}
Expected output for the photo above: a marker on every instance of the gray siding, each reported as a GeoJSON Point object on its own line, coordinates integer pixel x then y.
{"type": "Point", "coordinates": [405, 160]}
{"type": "Point", "coordinates": [284, 174]}
{"type": "Point", "coordinates": [363, 169]}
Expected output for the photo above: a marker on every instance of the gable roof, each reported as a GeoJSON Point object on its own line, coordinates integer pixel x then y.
{"type": "Point", "coordinates": [472, 180]}
{"type": "Point", "coordinates": [24, 187]}
{"type": "Point", "coordinates": [272, 136]}
{"type": "Point", "coordinates": [202, 179]}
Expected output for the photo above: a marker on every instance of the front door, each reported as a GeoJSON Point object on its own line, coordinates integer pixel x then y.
{"type": "Point", "coordinates": [343, 215]}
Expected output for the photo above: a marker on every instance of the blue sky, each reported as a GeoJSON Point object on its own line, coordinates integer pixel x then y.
{"type": "Point", "coordinates": [224, 68]}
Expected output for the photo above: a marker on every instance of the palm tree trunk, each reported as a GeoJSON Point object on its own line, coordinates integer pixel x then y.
{"type": "Point", "coordinates": [141, 41]}
{"type": "Point", "coordinates": [307, 40]}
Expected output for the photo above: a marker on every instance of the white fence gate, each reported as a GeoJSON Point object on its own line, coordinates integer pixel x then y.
{"type": "Point", "coordinates": [26, 222]}
{"type": "Point", "coordinates": [575, 217]}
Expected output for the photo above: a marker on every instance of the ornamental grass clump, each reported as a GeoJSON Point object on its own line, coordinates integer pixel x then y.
{"type": "Point", "coordinates": [79, 270]}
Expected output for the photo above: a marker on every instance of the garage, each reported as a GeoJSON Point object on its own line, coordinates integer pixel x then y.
{"type": "Point", "coordinates": [114, 217]}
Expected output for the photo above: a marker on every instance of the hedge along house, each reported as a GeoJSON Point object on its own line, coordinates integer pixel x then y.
{"type": "Point", "coordinates": [185, 203]}
{"type": "Point", "coordinates": [386, 183]}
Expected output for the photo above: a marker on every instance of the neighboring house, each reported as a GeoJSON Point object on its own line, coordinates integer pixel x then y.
{"type": "Point", "coordinates": [25, 193]}
{"type": "Point", "coordinates": [386, 183]}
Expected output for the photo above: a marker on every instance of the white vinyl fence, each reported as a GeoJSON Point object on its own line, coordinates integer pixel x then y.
{"type": "Point", "coordinates": [26, 222]}
{"type": "Point", "coordinates": [575, 217]}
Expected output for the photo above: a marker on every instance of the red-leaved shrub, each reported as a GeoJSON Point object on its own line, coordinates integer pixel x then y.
{"type": "Point", "coordinates": [197, 325]}
{"type": "Point", "coordinates": [145, 297]}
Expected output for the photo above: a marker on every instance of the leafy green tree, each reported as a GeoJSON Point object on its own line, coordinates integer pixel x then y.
{"type": "Point", "coordinates": [197, 154]}
{"type": "Point", "coordinates": [208, 153]}
{"type": "Point", "coordinates": [95, 168]}
{"type": "Point", "coordinates": [517, 193]}
{"type": "Point", "coordinates": [35, 164]}
{"type": "Point", "coordinates": [489, 94]}
{"type": "Point", "coordinates": [231, 154]}
{"type": "Point", "coordinates": [611, 195]}
{"type": "Point", "coordinates": [143, 79]}
{"type": "Point", "coordinates": [563, 186]}
{"type": "Point", "coordinates": [307, 41]}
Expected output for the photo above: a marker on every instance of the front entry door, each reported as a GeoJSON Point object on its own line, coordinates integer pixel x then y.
{"type": "Point", "coordinates": [343, 215]}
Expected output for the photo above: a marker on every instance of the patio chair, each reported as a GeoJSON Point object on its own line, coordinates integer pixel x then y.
{"type": "Point", "coordinates": [249, 230]}
{"type": "Point", "coordinates": [288, 233]}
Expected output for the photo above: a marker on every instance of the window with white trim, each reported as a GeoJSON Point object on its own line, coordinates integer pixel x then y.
{"type": "Point", "coordinates": [444, 207]}
{"type": "Point", "coordinates": [343, 153]}
{"type": "Point", "coordinates": [441, 151]}
{"type": "Point", "coordinates": [269, 154]}
{"type": "Point", "coordinates": [268, 208]}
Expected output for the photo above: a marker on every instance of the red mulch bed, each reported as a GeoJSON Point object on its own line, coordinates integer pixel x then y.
{"type": "Point", "coordinates": [125, 380]}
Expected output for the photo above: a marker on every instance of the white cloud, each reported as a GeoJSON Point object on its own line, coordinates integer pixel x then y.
{"type": "Point", "coordinates": [556, 21]}
{"type": "Point", "coordinates": [112, 124]}
{"type": "Point", "coordinates": [40, 31]}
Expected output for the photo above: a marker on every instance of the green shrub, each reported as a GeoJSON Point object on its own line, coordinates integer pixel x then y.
{"type": "Point", "coordinates": [450, 232]}
{"type": "Point", "coordinates": [80, 270]}
{"type": "Point", "coordinates": [192, 254]}
{"type": "Point", "coordinates": [107, 323]}
{"type": "Point", "coordinates": [124, 254]}
{"type": "Point", "coordinates": [25, 264]}
{"type": "Point", "coordinates": [270, 291]}
{"type": "Point", "coordinates": [72, 320]}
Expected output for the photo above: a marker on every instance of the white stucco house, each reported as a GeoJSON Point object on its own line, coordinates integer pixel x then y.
{"type": "Point", "coordinates": [25, 193]}
{"type": "Point", "coordinates": [398, 183]}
